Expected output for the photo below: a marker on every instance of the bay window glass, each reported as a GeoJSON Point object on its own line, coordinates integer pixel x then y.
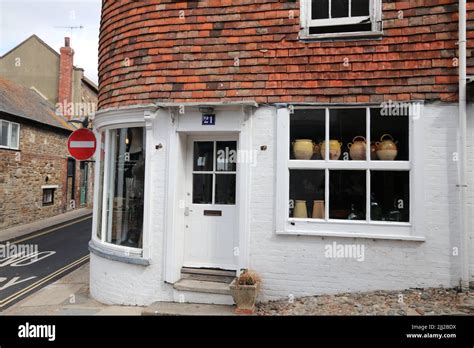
{"type": "Point", "coordinates": [100, 191]}
{"type": "Point", "coordinates": [349, 164]}
{"type": "Point", "coordinates": [125, 186]}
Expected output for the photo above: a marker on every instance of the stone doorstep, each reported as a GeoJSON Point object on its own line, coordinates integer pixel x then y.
{"type": "Point", "coordinates": [188, 309]}
{"type": "Point", "coordinates": [202, 286]}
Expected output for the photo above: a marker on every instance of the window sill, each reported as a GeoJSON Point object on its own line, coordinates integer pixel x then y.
{"type": "Point", "coordinates": [102, 250]}
{"type": "Point", "coordinates": [360, 35]}
{"type": "Point", "coordinates": [353, 235]}
{"type": "Point", "coordinates": [9, 149]}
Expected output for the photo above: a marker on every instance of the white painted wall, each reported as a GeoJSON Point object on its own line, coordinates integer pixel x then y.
{"type": "Point", "coordinates": [121, 283]}
{"type": "Point", "coordinates": [295, 265]}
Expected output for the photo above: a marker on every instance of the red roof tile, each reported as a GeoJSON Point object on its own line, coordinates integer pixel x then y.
{"type": "Point", "coordinates": [186, 51]}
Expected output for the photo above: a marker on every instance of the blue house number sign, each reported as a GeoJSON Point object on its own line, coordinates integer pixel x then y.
{"type": "Point", "coordinates": [208, 120]}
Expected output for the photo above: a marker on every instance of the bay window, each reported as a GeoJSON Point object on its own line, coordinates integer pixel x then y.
{"type": "Point", "coordinates": [346, 169]}
{"type": "Point", "coordinates": [122, 187]}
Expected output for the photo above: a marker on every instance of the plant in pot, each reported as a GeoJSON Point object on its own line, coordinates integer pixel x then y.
{"type": "Point", "coordinates": [244, 290]}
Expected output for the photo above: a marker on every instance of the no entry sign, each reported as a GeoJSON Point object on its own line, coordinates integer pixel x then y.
{"type": "Point", "coordinates": [82, 144]}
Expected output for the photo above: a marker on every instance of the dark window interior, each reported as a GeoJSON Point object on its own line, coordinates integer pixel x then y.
{"type": "Point", "coordinates": [48, 196]}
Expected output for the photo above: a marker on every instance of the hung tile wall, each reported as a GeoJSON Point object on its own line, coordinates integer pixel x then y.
{"type": "Point", "coordinates": [237, 50]}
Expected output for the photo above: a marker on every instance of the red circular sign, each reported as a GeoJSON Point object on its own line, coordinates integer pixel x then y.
{"type": "Point", "coordinates": [82, 144]}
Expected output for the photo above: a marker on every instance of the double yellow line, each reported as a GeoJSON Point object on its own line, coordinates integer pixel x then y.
{"type": "Point", "coordinates": [48, 231]}
{"type": "Point", "coordinates": [40, 282]}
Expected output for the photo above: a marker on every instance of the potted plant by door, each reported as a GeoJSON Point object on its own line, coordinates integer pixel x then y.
{"type": "Point", "coordinates": [244, 290]}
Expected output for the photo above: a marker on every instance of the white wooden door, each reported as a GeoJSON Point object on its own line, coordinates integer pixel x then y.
{"type": "Point", "coordinates": [210, 213]}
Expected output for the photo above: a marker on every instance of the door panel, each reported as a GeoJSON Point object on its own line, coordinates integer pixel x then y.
{"type": "Point", "coordinates": [210, 225]}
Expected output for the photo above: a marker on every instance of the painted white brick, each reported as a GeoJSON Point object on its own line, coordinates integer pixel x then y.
{"type": "Point", "coordinates": [296, 265]}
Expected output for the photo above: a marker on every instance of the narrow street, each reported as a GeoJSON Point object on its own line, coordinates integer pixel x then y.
{"type": "Point", "coordinates": [29, 263]}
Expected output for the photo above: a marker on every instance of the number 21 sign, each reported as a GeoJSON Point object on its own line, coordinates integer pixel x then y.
{"type": "Point", "coordinates": [208, 120]}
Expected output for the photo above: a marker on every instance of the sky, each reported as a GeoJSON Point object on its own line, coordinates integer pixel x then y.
{"type": "Point", "coordinates": [19, 19]}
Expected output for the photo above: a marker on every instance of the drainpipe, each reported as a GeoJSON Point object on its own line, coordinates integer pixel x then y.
{"type": "Point", "coordinates": [464, 240]}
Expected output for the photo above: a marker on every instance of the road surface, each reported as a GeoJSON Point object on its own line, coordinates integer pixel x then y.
{"type": "Point", "coordinates": [29, 263]}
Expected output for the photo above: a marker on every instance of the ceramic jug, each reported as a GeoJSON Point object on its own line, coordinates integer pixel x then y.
{"type": "Point", "coordinates": [334, 149]}
{"type": "Point", "coordinates": [303, 149]}
{"type": "Point", "coordinates": [300, 210]}
{"type": "Point", "coordinates": [318, 209]}
{"type": "Point", "coordinates": [357, 149]}
{"type": "Point", "coordinates": [373, 151]}
{"type": "Point", "coordinates": [386, 148]}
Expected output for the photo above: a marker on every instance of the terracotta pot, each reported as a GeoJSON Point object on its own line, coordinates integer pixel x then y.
{"type": "Point", "coordinates": [373, 151]}
{"type": "Point", "coordinates": [334, 149]}
{"type": "Point", "coordinates": [386, 148]}
{"type": "Point", "coordinates": [303, 149]}
{"type": "Point", "coordinates": [244, 297]}
{"type": "Point", "coordinates": [318, 209]}
{"type": "Point", "coordinates": [357, 149]}
{"type": "Point", "coordinates": [300, 211]}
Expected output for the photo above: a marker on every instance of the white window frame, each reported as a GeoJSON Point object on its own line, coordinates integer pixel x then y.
{"type": "Point", "coordinates": [109, 176]}
{"type": "Point", "coordinates": [349, 228]}
{"type": "Point", "coordinates": [52, 190]}
{"type": "Point", "coordinates": [307, 22]}
{"type": "Point", "coordinates": [9, 138]}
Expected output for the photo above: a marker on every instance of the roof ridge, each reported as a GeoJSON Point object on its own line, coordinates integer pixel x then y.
{"type": "Point", "coordinates": [24, 102]}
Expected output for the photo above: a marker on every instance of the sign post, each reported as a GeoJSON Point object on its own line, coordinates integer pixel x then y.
{"type": "Point", "coordinates": [82, 144]}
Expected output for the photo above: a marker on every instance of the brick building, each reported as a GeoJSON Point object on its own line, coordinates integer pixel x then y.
{"type": "Point", "coordinates": [272, 135]}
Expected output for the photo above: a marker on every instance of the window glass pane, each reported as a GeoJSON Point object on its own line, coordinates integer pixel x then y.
{"type": "Point", "coordinates": [71, 166]}
{"type": "Point", "coordinates": [360, 8]}
{"type": "Point", "coordinates": [389, 132]}
{"type": "Point", "coordinates": [340, 29]}
{"type": "Point", "coordinates": [125, 225]}
{"type": "Point", "coordinates": [14, 136]}
{"type": "Point", "coordinates": [203, 156]}
{"type": "Point", "coordinates": [4, 134]}
{"type": "Point", "coordinates": [101, 185]}
{"type": "Point", "coordinates": [347, 192]}
{"type": "Point", "coordinates": [307, 132]}
{"type": "Point", "coordinates": [390, 199]}
{"type": "Point", "coordinates": [202, 188]}
{"type": "Point", "coordinates": [307, 189]}
{"type": "Point", "coordinates": [225, 189]}
{"type": "Point", "coordinates": [48, 196]}
{"type": "Point", "coordinates": [226, 156]}
{"type": "Point", "coordinates": [347, 127]}
{"type": "Point", "coordinates": [339, 8]}
{"type": "Point", "coordinates": [320, 9]}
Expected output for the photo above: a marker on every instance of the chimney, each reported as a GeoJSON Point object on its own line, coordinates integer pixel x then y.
{"type": "Point", "coordinates": [65, 78]}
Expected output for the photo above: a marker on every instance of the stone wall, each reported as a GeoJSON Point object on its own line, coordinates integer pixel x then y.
{"type": "Point", "coordinates": [41, 160]}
